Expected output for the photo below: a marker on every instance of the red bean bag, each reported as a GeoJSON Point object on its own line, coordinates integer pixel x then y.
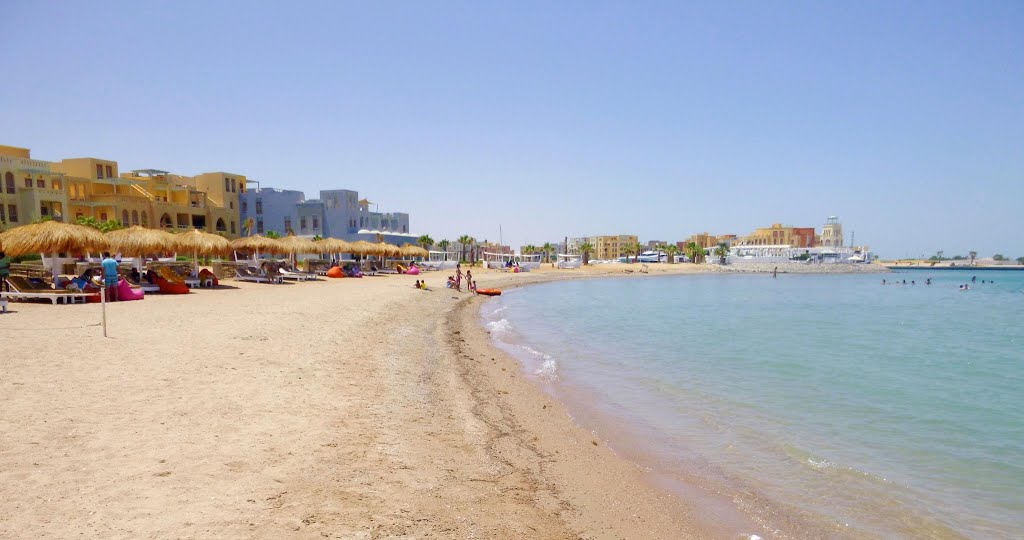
{"type": "Point", "coordinates": [166, 287]}
{"type": "Point", "coordinates": [205, 274]}
{"type": "Point", "coordinates": [335, 272]}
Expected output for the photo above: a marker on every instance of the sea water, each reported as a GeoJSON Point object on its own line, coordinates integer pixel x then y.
{"type": "Point", "coordinates": [818, 405]}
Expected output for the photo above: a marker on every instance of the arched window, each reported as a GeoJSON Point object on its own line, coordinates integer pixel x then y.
{"type": "Point", "coordinates": [124, 218]}
{"type": "Point", "coordinates": [135, 217]}
{"type": "Point", "coordinates": [9, 179]}
{"type": "Point", "coordinates": [227, 184]}
{"type": "Point", "coordinates": [165, 221]}
{"type": "Point", "coordinates": [56, 184]}
{"type": "Point", "coordinates": [220, 225]}
{"type": "Point", "coordinates": [145, 219]}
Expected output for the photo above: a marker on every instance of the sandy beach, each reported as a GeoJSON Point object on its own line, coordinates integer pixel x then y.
{"type": "Point", "coordinates": [352, 408]}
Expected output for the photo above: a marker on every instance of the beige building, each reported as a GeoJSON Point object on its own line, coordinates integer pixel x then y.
{"type": "Point", "coordinates": [781, 235]}
{"type": "Point", "coordinates": [92, 187]}
{"type": "Point", "coordinates": [832, 233]}
{"type": "Point", "coordinates": [30, 190]}
{"type": "Point", "coordinates": [611, 247]}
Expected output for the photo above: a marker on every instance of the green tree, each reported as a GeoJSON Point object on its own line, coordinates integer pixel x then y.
{"type": "Point", "coordinates": [722, 251]}
{"type": "Point", "coordinates": [671, 250]}
{"type": "Point", "coordinates": [973, 255]}
{"type": "Point", "coordinates": [694, 252]}
{"type": "Point", "coordinates": [103, 226]}
{"type": "Point", "coordinates": [585, 249]}
{"type": "Point", "coordinates": [248, 225]}
{"type": "Point", "coordinates": [317, 238]}
{"type": "Point", "coordinates": [998, 257]}
{"type": "Point", "coordinates": [547, 248]}
{"type": "Point", "coordinates": [464, 242]}
{"type": "Point", "coordinates": [273, 234]}
{"type": "Point", "coordinates": [1020, 260]}
{"type": "Point", "coordinates": [443, 244]}
{"type": "Point", "coordinates": [425, 241]}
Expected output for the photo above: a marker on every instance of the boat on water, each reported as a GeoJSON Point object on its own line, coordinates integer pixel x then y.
{"type": "Point", "coordinates": [646, 257]}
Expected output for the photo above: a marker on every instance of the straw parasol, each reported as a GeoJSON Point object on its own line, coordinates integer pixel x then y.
{"type": "Point", "coordinates": [362, 247]}
{"type": "Point", "coordinates": [137, 241]}
{"type": "Point", "coordinates": [332, 245]}
{"type": "Point", "coordinates": [409, 250]}
{"type": "Point", "coordinates": [52, 237]}
{"type": "Point", "coordinates": [255, 243]}
{"type": "Point", "coordinates": [385, 249]}
{"type": "Point", "coordinates": [198, 243]}
{"type": "Point", "coordinates": [293, 245]}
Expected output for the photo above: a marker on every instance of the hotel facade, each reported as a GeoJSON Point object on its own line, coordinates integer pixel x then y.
{"type": "Point", "coordinates": [92, 187]}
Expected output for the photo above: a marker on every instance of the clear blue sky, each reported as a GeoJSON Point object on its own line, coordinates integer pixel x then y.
{"type": "Point", "coordinates": [554, 119]}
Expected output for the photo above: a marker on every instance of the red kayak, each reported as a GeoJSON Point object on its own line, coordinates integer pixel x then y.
{"type": "Point", "coordinates": [489, 292]}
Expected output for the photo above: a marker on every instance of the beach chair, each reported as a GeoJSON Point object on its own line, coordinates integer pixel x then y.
{"type": "Point", "coordinates": [292, 273]}
{"type": "Point", "coordinates": [174, 277]}
{"type": "Point", "coordinates": [23, 289]}
{"type": "Point", "coordinates": [244, 273]}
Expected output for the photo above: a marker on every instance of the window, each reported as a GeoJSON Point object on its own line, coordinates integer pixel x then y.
{"type": "Point", "coordinates": [233, 185]}
{"type": "Point", "coordinates": [110, 171]}
{"type": "Point", "coordinates": [259, 225]}
{"type": "Point", "coordinates": [124, 218]}
{"type": "Point", "coordinates": [99, 172]}
{"type": "Point", "coordinates": [220, 225]}
{"type": "Point", "coordinates": [232, 227]}
{"type": "Point", "coordinates": [245, 206]}
{"type": "Point", "coordinates": [28, 182]}
{"type": "Point", "coordinates": [316, 223]}
{"type": "Point", "coordinates": [44, 211]}
{"type": "Point", "coordinates": [12, 213]}
{"type": "Point", "coordinates": [302, 222]}
{"type": "Point", "coordinates": [227, 184]}
{"type": "Point", "coordinates": [145, 219]}
{"type": "Point", "coordinates": [40, 183]}
{"type": "Point", "coordinates": [103, 216]}
{"type": "Point", "coordinates": [287, 224]}
{"type": "Point", "coordinates": [56, 184]}
{"type": "Point", "coordinates": [78, 215]}
{"type": "Point", "coordinates": [259, 206]}
{"type": "Point", "coordinates": [231, 205]}
{"type": "Point", "coordinates": [10, 182]}
{"type": "Point", "coordinates": [135, 217]}
{"type": "Point", "coordinates": [2, 217]}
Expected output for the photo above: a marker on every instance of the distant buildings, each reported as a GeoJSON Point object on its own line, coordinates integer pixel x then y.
{"type": "Point", "coordinates": [780, 235]}
{"type": "Point", "coordinates": [832, 233]}
{"type": "Point", "coordinates": [95, 188]}
{"type": "Point", "coordinates": [338, 213]}
{"type": "Point", "coordinates": [604, 247]}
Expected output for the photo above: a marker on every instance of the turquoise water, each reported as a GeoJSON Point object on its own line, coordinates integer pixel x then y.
{"type": "Point", "coordinates": [815, 405]}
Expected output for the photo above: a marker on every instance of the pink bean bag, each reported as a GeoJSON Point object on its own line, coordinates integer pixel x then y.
{"type": "Point", "coordinates": [413, 271]}
{"type": "Point", "coordinates": [126, 292]}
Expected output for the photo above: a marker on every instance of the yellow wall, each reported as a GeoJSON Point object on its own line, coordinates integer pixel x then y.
{"type": "Point", "coordinates": [611, 246]}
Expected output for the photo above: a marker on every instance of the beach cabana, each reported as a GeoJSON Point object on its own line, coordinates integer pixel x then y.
{"type": "Point", "coordinates": [52, 237]}
{"type": "Point", "coordinates": [198, 243]}
{"type": "Point", "coordinates": [411, 251]}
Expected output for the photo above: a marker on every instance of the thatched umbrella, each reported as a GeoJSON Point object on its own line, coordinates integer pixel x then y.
{"type": "Point", "coordinates": [385, 249]}
{"type": "Point", "coordinates": [362, 247]}
{"type": "Point", "coordinates": [52, 237]}
{"type": "Point", "coordinates": [332, 245]}
{"type": "Point", "coordinates": [198, 243]}
{"type": "Point", "coordinates": [410, 250]}
{"type": "Point", "coordinates": [255, 243]}
{"type": "Point", "coordinates": [293, 245]}
{"type": "Point", "coordinates": [136, 241]}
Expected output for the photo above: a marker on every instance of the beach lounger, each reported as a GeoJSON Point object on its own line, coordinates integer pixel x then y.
{"type": "Point", "coordinates": [296, 275]}
{"type": "Point", "coordinates": [174, 277]}
{"type": "Point", "coordinates": [22, 289]}
{"type": "Point", "coordinates": [243, 273]}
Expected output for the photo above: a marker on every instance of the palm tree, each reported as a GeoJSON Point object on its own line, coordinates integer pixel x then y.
{"type": "Point", "coordinates": [425, 241]}
{"type": "Point", "coordinates": [974, 255]}
{"type": "Point", "coordinates": [585, 249]}
{"type": "Point", "coordinates": [248, 225]}
{"type": "Point", "coordinates": [464, 241]}
{"type": "Point", "coordinates": [670, 250]}
{"type": "Point", "coordinates": [722, 251]}
{"type": "Point", "coordinates": [317, 238]}
{"type": "Point", "coordinates": [443, 244]}
{"type": "Point", "coordinates": [103, 226]}
{"type": "Point", "coordinates": [529, 250]}
{"type": "Point", "coordinates": [638, 248]}
{"type": "Point", "coordinates": [273, 234]}
{"type": "Point", "coordinates": [694, 252]}
{"type": "Point", "coordinates": [548, 248]}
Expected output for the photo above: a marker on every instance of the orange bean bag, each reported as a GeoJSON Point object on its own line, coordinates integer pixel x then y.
{"type": "Point", "coordinates": [335, 272]}
{"type": "Point", "coordinates": [166, 287]}
{"type": "Point", "coordinates": [205, 274]}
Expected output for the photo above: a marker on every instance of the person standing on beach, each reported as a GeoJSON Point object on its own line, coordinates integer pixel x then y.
{"type": "Point", "coordinates": [458, 277]}
{"type": "Point", "coordinates": [469, 280]}
{"type": "Point", "coordinates": [5, 271]}
{"type": "Point", "coordinates": [110, 276]}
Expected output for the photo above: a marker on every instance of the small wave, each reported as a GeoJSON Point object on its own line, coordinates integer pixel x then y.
{"type": "Point", "coordinates": [500, 326]}
{"type": "Point", "coordinates": [499, 310]}
{"type": "Point", "coordinates": [548, 369]}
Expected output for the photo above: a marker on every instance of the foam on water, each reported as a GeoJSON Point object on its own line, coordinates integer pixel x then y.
{"type": "Point", "coordinates": [828, 405]}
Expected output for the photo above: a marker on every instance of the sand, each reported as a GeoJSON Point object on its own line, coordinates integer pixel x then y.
{"type": "Point", "coordinates": [351, 408]}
